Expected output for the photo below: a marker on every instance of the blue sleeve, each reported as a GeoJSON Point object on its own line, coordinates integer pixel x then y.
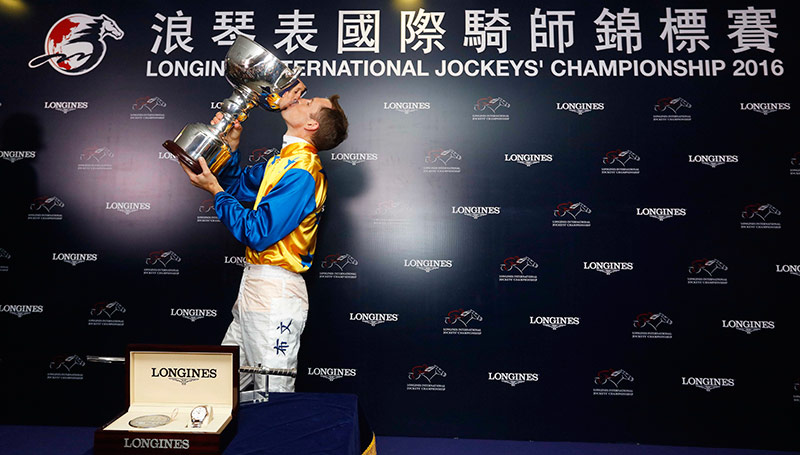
{"type": "Point", "coordinates": [231, 171]}
{"type": "Point", "coordinates": [278, 213]}
{"type": "Point", "coordinates": [242, 184]}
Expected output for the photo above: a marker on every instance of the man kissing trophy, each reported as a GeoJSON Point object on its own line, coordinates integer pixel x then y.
{"type": "Point", "coordinates": [279, 229]}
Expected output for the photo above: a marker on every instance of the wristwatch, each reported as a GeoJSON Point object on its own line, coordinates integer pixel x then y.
{"type": "Point", "coordinates": [200, 415]}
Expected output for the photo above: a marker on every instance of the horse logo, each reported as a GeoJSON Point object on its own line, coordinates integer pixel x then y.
{"type": "Point", "coordinates": [518, 263]}
{"type": "Point", "coordinates": [386, 207]}
{"type": "Point", "coordinates": [149, 103]}
{"type": "Point", "coordinates": [162, 257]}
{"type": "Point", "coordinates": [106, 308]}
{"type": "Point", "coordinates": [462, 316]}
{"type": "Point", "coordinates": [47, 203]}
{"type": "Point", "coordinates": [97, 154]}
{"type": "Point", "coordinates": [442, 155]}
{"type": "Point", "coordinates": [652, 319]}
{"type": "Point", "coordinates": [74, 45]}
{"type": "Point", "coordinates": [493, 104]}
{"type": "Point", "coordinates": [425, 371]}
{"type": "Point", "coordinates": [66, 362]}
{"type": "Point", "coordinates": [672, 104]}
{"type": "Point", "coordinates": [573, 209]}
{"type": "Point", "coordinates": [760, 210]}
{"type": "Point", "coordinates": [262, 154]}
{"type": "Point", "coordinates": [339, 260]}
{"type": "Point", "coordinates": [620, 156]}
{"type": "Point", "coordinates": [706, 265]}
{"type": "Point", "coordinates": [613, 376]}
{"type": "Point", "coordinates": [207, 206]}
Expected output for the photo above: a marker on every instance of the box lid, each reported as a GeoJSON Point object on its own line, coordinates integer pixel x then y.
{"type": "Point", "coordinates": [183, 375]}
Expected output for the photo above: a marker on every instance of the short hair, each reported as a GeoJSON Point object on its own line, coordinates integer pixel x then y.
{"type": "Point", "coordinates": [332, 126]}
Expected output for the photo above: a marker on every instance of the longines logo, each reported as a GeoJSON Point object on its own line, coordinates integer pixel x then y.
{"type": "Point", "coordinates": [16, 155]}
{"type": "Point", "coordinates": [555, 322]}
{"type": "Point", "coordinates": [486, 108]}
{"type": "Point", "coordinates": [442, 161]}
{"type": "Point", "coordinates": [476, 212]}
{"type": "Point", "coordinates": [183, 375]}
{"type": "Point", "coordinates": [792, 269]}
{"type": "Point", "coordinates": [332, 374]}
{"type": "Point", "coordinates": [75, 258]}
{"type": "Point", "coordinates": [513, 379]}
{"type": "Point", "coordinates": [568, 212]}
{"type": "Point", "coordinates": [159, 260]}
{"type": "Point", "coordinates": [66, 106]}
{"type": "Point", "coordinates": [107, 314]}
{"type": "Point", "coordinates": [66, 367]}
{"type": "Point", "coordinates": [241, 261]}
{"type": "Point", "coordinates": [428, 264]}
{"type": "Point", "coordinates": [155, 443]}
{"type": "Point", "coordinates": [335, 264]}
{"type": "Point", "coordinates": [143, 108]}
{"type": "Point", "coordinates": [620, 162]}
{"type": "Point", "coordinates": [167, 156]}
{"type": "Point", "coordinates": [748, 326]}
{"type": "Point", "coordinates": [406, 107]}
{"type": "Point", "coordinates": [667, 110]}
{"type": "Point", "coordinates": [703, 271]}
{"type": "Point", "coordinates": [713, 160]}
{"type": "Point", "coordinates": [354, 158]}
{"type": "Point", "coordinates": [652, 326]}
{"type": "Point", "coordinates": [374, 319]}
{"type": "Point", "coordinates": [518, 269]}
{"type": "Point", "coordinates": [460, 320]}
{"type": "Point", "coordinates": [580, 108]}
{"type": "Point", "coordinates": [424, 375]}
{"type": "Point", "coordinates": [708, 384]}
{"type": "Point", "coordinates": [96, 159]}
{"type": "Point", "coordinates": [44, 205]}
{"type": "Point", "coordinates": [660, 214]}
{"type": "Point", "coordinates": [612, 383]}
{"type": "Point", "coordinates": [193, 314]}
{"type": "Point", "coordinates": [528, 159]}
{"type": "Point", "coordinates": [757, 215]}
{"type": "Point", "coordinates": [608, 267]}
{"type": "Point", "coordinates": [765, 108]}
{"type": "Point", "coordinates": [127, 207]}
{"type": "Point", "coordinates": [21, 310]}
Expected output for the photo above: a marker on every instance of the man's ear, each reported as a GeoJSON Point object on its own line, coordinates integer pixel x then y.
{"type": "Point", "coordinates": [311, 125]}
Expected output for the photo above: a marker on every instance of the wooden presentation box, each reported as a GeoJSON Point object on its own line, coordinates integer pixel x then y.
{"type": "Point", "coordinates": [172, 380]}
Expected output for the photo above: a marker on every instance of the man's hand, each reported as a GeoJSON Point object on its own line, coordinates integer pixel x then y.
{"type": "Point", "coordinates": [233, 135]}
{"type": "Point", "coordinates": [205, 180]}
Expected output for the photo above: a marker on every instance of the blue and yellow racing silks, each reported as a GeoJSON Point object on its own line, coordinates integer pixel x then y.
{"type": "Point", "coordinates": [289, 191]}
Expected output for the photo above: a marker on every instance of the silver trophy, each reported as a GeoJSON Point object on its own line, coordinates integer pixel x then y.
{"type": "Point", "coordinates": [259, 79]}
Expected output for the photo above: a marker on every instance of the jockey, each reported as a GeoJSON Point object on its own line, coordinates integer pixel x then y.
{"type": "Point", "coordinates": [279, 229]}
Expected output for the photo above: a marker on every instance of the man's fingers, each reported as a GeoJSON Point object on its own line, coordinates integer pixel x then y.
{"type": "Point", "coordinates": [204, 166]}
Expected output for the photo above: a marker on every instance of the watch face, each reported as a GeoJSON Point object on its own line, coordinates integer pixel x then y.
{"type": "Point", "coordinates": [150, 421]}
{"type": "Point", "coordinates": [199, 413]}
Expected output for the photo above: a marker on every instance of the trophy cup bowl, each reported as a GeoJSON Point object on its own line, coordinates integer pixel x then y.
{"type": "Point", "coordinates": [258, 78]}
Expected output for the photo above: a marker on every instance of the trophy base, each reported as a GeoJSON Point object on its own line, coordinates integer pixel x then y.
{"type": "Point", "coordinates": [182, 156]}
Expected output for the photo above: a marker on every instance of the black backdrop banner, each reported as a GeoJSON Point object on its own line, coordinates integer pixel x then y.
{"type": "Point", "coordinates": [551, 221]}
